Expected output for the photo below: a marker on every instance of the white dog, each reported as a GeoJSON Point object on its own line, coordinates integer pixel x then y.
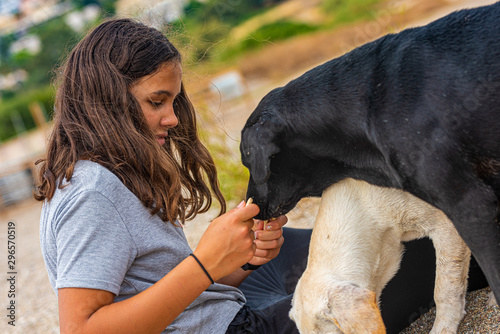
{"type": "Point", "coordinates": [356, 248]}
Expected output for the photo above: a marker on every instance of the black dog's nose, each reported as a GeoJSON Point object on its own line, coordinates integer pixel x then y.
{"type": "Point", "coordinates": [259, 195]}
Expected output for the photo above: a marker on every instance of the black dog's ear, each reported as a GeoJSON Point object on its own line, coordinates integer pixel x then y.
{"type": "Point", "coordinates": [258, 146]}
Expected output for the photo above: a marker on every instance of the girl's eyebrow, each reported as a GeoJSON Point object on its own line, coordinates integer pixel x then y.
{"type": "Point", "coordinates": [164, 92]}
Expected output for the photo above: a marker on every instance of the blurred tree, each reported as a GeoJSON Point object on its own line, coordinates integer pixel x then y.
{"type": "Point", "coordinates": [275, 31]}
{"type": "Point", "coordinates": [7, 93]}
{"type": "Point", "coordinates": [56, 39]}
{"type": "Point", "coordinates": [5, 43]}
{"type": "Point", "coordinates": [21, 59]}
{"type": "Point", "coordinates": [230, 12]}
{"type": "Point", "coordinates": [19, 104]}
{"type": "Point", "coordinates": [343, 11]}
{"type": "Point", "coordinates": [205, 25]}
{"type": "Point", "coordinates": [108, 6]}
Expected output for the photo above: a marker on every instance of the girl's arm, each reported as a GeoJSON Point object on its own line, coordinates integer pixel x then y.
{"type": "Point", "coordinates": [226, 245]}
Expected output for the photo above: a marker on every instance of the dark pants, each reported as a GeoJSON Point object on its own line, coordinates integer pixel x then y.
{"type": "Point", "coordinates": [269, 289]}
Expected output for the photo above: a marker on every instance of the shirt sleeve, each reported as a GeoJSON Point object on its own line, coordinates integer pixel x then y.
{"type": "Point", "coordinates": [94, 247]}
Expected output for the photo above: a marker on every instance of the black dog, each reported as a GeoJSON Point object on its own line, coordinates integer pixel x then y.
{"type": "Point", "coordinates": [418, 110]}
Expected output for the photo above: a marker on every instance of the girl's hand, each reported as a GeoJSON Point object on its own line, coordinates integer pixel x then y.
{"type": "Point", "coordinates": [268, 240]}
{"type": "Point", "coordinates": [228, 242]}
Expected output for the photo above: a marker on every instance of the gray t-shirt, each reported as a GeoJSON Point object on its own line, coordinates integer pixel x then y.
{"type": "Point", "coordinates": [95, 233]}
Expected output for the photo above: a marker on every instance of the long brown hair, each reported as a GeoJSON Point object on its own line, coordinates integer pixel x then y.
{"type": "Point", "coordinates": [98, 119]}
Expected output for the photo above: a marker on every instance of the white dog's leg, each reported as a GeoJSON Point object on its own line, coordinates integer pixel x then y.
{"type": "Point", "coordinates": [354, 310]}
{"type": "Point", "coordinates": [452, 267]}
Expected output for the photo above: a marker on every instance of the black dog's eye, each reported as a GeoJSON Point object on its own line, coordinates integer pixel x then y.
{"type": "Point", "coordinates": [275, 165]}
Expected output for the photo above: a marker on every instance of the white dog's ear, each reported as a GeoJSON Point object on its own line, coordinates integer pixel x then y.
{"type": "Point", "coordinates": [354, 310]}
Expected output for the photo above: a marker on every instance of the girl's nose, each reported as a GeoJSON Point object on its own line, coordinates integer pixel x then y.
{"type": "Point", "coordinates": [169, 119]}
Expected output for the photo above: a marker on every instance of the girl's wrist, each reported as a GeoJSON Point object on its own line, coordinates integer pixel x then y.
{"type": "Point", "coordinates": [203, 268]}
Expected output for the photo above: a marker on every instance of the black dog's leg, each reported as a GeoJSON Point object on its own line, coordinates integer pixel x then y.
{"type": "Point", "coordinates": [474, 217]}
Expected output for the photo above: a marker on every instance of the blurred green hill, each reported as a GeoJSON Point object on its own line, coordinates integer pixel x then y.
{"type": "Point", "coordinates": [212, 35]}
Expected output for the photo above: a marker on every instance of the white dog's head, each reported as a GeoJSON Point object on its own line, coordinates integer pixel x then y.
{"type": "Point", "coordinates": [338, 308]}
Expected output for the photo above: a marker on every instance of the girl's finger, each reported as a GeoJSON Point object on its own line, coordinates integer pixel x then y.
{"type": "Point", "coordinates": [258, 225]}
{"type": "Point", "coordinates": [270, 244]}
{"type": "Point", "coordinates": [277, 223]}
{"type": "Point", "coordinates": [269, 234]}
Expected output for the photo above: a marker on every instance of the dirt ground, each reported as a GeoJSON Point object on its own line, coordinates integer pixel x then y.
{"type": "Point", "coordinates": [35, 301]}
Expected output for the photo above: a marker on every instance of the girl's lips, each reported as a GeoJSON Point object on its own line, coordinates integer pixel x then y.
{"type": "Point", "coordinates": [161, 139]}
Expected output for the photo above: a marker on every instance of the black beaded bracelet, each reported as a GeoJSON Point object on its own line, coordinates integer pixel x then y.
{"type": "Point", "coordinates": [206, 272]}
{"type": "Point", "coordinates": [249, 266]}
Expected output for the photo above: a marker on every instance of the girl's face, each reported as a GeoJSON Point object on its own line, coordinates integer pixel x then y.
{"type": "Point", "coordinates": [156, 94]}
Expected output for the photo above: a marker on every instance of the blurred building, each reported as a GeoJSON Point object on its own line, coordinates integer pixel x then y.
{"type": "Point", "coordinates": [9, 7]}
{"type": "Point", "coordinates": [8, 11]}
{"type": "Point", "coordinates": [32, 7]}
{"type": "Point", "coordinates": [151, 12]}
{"type": "Point", "coordinates": [78, 20]}
{"type": "Point", "coordinates": [12, 79]}
{"type": "Point", "coordinates": [20, 15]}
{"type": "Point", "coordinates": [29, 43]}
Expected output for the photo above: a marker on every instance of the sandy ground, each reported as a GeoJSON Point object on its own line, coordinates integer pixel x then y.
{"type": "Point", "coordinates": [36, 303]}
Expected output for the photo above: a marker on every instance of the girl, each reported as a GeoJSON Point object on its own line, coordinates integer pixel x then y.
{"type": "Point", "coordinates": [124, 169]}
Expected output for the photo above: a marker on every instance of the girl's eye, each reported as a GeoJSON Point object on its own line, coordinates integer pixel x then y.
{"type": "Point", "coordinates": [156, 104]}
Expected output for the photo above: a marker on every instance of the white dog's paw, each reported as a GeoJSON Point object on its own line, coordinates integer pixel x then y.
{"type": "Point", "coordinates": [491, 300]}
{"type": "Point", "coordinates": [442, 331]}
